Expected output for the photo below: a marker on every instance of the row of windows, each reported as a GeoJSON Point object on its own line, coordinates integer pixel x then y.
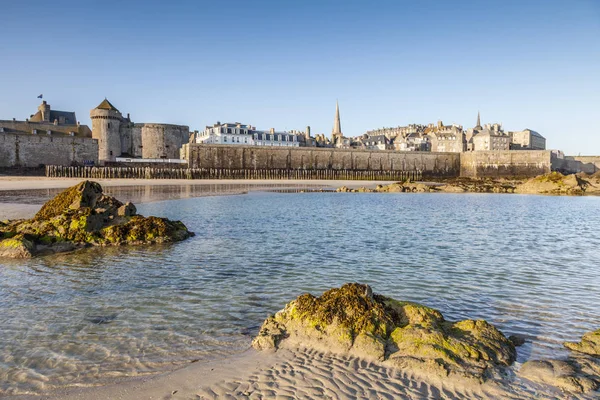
{"type": "Point", "coordinates": [280, 138]}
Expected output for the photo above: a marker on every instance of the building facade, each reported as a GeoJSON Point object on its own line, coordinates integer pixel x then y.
{"type": "Point", "coordinates": [446, 138]}
{"type": "Point", "coordinates": [242, 134]}
{"type": "Point", "coordinates": [527, 139]}
{"type": "Point", "coordinates": [118, 136]}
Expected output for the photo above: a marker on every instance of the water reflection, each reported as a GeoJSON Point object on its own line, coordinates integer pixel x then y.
{"type": "Point", "coordinates": [148, 193]}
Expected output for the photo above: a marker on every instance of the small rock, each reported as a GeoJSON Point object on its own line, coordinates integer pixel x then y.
{"type": "Point", "coordinates": [517, 340]}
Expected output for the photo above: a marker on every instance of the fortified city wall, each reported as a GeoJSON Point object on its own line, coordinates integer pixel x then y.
{"type": "Point", "coordinates": [497, 164]}
{"type": "Point", "coordinates": [28, 150]}
{"type": "Point", "coordinates": [159, 140]}
{"type": "Point", "coordinates": [574, 164]}
{"type": "Point", "coordinates": [299, 158]}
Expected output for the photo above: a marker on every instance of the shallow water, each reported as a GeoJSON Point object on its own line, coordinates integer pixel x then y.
{"type": "Point", "coordinates": [529, 264]}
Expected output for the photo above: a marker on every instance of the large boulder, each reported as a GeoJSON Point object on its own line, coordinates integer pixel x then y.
{"type": "Point", "coordinates": [589, 344]}
{"type": "Point", "coordinates": [81, 216]}
{"type": "Point", "coordinates": [84, 194]}
{"type": "Point", "coordinates": [353, 320]}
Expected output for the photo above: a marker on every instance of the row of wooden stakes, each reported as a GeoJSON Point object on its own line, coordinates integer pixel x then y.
{"type": "Point", "coordinates": [57, 171]}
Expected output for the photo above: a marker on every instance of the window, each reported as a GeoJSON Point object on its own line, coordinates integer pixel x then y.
{"type": "Point", "coordinates": [225, 138]}
{"type": "Point", "coordinates": [228, 130]}
{"type": "Point", "coordinates": [238, 139]}
{"type": "Point", "coordinates": [109, 128]}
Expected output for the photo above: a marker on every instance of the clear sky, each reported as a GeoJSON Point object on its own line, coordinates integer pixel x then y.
{"type": "Point", "coordinates": [282, 64]}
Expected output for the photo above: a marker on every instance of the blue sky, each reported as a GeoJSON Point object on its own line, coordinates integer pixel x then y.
{"type": "Point", "coordinates": [282, 64]}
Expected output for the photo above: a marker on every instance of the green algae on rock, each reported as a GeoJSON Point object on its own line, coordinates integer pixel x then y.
{"type": "Point", "coordinates": [82, 216]}
{"type": "Point", "coordinates": [353, 320]}
{"type": "Point", "coordinates": [589, 344]}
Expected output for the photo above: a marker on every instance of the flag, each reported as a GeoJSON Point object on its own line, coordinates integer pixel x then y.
{"type": "Point", "coordinates": [40, 96]}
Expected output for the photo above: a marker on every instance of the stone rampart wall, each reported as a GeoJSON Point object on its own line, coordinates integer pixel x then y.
{"type": "Point", "coordinates": [26, 126]}
{"type": "Point", "coordinates": [274, 158]}
{"type": "Point", "coordinates": [28, 150]}
{"type": "Point", "coordinates": [497, 164]}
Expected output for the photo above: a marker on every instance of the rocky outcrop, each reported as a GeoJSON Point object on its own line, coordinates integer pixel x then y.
{"type": "Point", "coordinates": [579, 373]}
{"type": "Point", "coordinates": [554, 183]}
{"type": "Point", "coordinates": [564, 375]}
{"type": "Point", "coordinates": [82, 216]}
{"type": "Point", "coordinates": [353, 320]}
{"type": "Point", "coordinates": [589, 344]}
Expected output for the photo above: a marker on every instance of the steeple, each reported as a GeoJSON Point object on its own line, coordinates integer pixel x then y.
{"type": "Point", "coordinates": [337, 125]}
{"type": "Point", "coordinates": [478, 126]}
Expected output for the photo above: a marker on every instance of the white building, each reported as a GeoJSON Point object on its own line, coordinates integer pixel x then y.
{"type": "Point", "coordinates": [240, 134]}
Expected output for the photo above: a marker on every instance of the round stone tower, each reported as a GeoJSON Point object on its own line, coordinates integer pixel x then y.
{"type": "Point", "coordinates": [106, 124]}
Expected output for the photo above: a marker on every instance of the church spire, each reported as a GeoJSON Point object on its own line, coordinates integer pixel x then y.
{"type": "Point", "coordinates": [478, 121]}
{"type": "Point", "coordinates": [337, 125]}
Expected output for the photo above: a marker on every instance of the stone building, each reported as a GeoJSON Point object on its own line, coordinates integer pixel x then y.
{"type": "Point", "coordinates": [412, 142]}
{"type": "Point", "coordinates": [118, 136]}
{"type": "Point", "coordinates": [488, 137]}
{"type": "Point", "coordinates": [242, 134]}
{"type": "Point", "coordinates": [398, 131]}
{"type": "Point", "coordinates": [446, 138]}
{"type": "Point", "coordinates": [527, 140]}
{"type": "Point", "coordinates": [375, 142]}
{"type": "Point", "coordinates": [49, 137]}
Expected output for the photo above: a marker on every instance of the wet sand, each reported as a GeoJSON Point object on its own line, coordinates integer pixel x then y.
{"type": "Point", "coordinates": [291, 374]}
{"type": "Point", "coordinates": [34, 182]}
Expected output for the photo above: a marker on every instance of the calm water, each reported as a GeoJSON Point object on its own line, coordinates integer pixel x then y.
{"type": "Point", "coordinates": [529, 264]}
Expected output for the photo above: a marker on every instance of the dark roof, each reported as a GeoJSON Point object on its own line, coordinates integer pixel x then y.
{"type": "Point", "coordinates": [105, 105]}
{"type": "Point", "coordinates": [69, 117]}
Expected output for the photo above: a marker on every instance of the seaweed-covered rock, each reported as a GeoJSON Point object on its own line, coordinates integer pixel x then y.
{"type": "Point", "coordinates": [16, 247]}
{"type": "Point", "coordinates": [353, 320]}
{"type": "Point", "coordinates": [590, 344]}
{"type": "Point", "coordinates": [80, 216]}
{"type": "Point", "coordinates": [84, 194]}
{"type": "Point", "coordinates": [561, 374]}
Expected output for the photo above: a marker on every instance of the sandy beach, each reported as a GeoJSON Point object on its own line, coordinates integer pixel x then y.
{"type": "Point", "coordinates": [295, 373]}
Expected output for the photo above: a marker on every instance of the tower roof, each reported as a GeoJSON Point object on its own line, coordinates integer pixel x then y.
{"type": "Point", "coordinates": [105, 105]}
{"type": "Point", "coordinates": [478, 126]}
{"type": "Point", "coordinates": [337, 125]}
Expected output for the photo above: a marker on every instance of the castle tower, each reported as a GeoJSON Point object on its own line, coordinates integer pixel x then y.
{"type": "Point", "coordinates": [337, 125]}
{"type": "Point", "coordinates": [44, 109]}
{"type": "Point", "coordinates": [106, 123]}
